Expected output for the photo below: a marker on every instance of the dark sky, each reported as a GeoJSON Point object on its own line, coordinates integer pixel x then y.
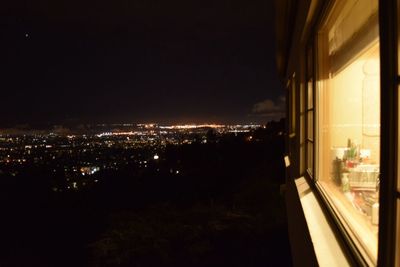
{"type": "Point", "coordinates": [138, 61]}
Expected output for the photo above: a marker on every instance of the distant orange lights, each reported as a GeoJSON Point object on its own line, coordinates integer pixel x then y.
{"type": "Point", "coordinates": [192, 126]}
{"type": "Point", "coordinates": [115, 134]}
{"type": "Point", "coordinates": [155, 129]}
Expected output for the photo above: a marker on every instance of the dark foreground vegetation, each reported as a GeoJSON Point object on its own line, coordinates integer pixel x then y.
{"type": "Point", "coordinates": [223, 208]}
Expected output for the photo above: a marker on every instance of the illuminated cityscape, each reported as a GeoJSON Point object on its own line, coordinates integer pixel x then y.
{"type": "Point", "coordinates": [141, 133]}
{"type": "Point", "coordinates": [79, 158]}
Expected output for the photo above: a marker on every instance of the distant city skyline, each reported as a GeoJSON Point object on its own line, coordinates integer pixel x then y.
{"type": "Point", "coordinates": [124, 128]}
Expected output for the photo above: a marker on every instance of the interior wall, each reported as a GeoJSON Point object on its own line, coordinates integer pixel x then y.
{"type": "Point", "coordinates": [349, 108]}
{"type": "Point", "coordinates": [354, 108]}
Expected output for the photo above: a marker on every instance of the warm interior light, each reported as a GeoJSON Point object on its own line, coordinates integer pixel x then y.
{"type": "Point", "coordinates": [349, 131]}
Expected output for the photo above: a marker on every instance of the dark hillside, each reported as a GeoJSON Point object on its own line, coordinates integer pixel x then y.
{"type": "Point", "coordinates": [214, 204]}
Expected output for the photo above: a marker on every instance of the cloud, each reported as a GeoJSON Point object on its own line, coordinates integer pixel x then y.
{"type": "Point", "coordinates": [270, 108]}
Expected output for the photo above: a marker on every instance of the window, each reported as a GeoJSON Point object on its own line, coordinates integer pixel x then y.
{"type": "Point", "coordinates": [293, 104]}
{"type": "Point", "coordinates": [302, 129]}
{"type": "Point", "coordinates": [291, 96]}
{"type": "Point", "coordinates": [348, 119]}
{"type": "Point", "coordinates": [310, 112]}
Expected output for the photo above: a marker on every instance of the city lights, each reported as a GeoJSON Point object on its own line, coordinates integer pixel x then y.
{"type": "Point", "coordinates": [81, 157]}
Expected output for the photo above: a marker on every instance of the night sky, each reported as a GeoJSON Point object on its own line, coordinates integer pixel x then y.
{"type": "Point", "coordinates": [138, 61]}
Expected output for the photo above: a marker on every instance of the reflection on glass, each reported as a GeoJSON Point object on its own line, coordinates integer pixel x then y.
{"type": "Point", "coordinates": [348, 102]}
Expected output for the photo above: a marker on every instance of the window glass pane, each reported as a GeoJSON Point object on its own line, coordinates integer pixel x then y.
{"type": "Point", "coordinates": [302, 113]}
{"type": "Point", "coordinates": [302, 129]}
{"type": "Point", "coordinates": [310, 125]}
{"type": "Point", "coordinates": [302, 99]}
{"type": "Point", "coordinates": [293, 92]}
{"type": "Point", "coordinates": [310, 62]}
{"type": "Point", "coordinates": [310, 103]}
{"type": "Point", "coordinates": [310, 157]}
{"type": "Point", "coordinates": [349, 118]}
{"type": "Point", "coordinates": [302, 158]}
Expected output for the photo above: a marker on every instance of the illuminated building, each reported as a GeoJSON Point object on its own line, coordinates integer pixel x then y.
{"type": "Point", "coordinates": [339, 61]}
